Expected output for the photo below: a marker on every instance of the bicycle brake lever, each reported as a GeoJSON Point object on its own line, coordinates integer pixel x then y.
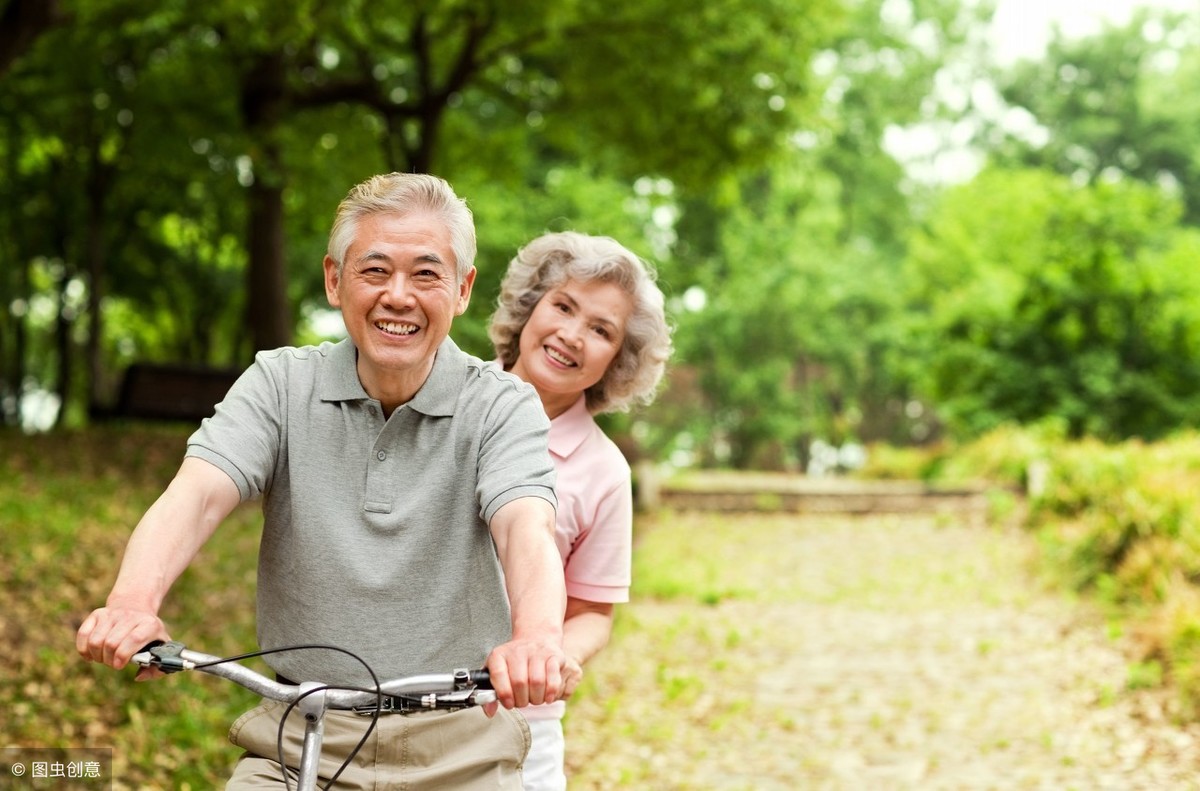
{"type": "Point", "coordinates": [167, 657]}
{"type": "Point", "coordinates": [461, 699]}
{"type": "Point", "coordinates": [484, 696]}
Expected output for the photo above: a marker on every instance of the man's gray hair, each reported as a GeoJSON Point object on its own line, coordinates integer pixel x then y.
{"type": "Point", "coordinates": [405, 193]}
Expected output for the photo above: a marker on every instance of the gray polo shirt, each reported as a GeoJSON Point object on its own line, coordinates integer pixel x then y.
{"type": "Point", "coordinates": [375, 534]}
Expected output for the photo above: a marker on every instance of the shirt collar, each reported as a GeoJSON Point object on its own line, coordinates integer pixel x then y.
{"type": "Point", "coordinates": [339, 379]}
{"type": "Point", "coordinates": [437, 396]}
{"type": "Point", "coordinates": [570, 429]}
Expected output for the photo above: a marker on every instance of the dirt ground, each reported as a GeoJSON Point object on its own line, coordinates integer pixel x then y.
{"type": "Point", "coordinates": [865, 653]}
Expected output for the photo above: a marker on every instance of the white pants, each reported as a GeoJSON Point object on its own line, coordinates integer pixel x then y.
{"type": "Point", "coordinates": [544, 764]}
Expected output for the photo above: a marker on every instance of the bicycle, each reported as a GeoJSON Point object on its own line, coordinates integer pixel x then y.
{"type": "Point", "coordinates": [458, 689]}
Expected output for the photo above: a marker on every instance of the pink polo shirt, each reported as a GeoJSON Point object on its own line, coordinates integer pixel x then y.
{"type": "Point", "coordinates": [594, 527]}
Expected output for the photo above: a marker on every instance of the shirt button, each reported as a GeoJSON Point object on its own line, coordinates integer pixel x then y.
{"type": "Point", "coordinates": [381, 455]}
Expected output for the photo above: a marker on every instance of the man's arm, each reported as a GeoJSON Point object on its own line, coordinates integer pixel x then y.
{"type": "Point", "coordinates": [528, 669]}
{"type": "Point", "coordinates": [162, 545]}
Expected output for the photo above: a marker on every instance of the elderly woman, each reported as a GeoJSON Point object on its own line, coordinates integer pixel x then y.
{"type": "Point", "coordinates": [581, 319]}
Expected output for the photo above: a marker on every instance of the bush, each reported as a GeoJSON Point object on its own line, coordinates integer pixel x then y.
{"type": "Point", "coordinates": [1121, 521]}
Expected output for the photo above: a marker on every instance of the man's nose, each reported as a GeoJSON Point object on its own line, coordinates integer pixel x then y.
{"type": "Point", "coordinates": [398, 290]}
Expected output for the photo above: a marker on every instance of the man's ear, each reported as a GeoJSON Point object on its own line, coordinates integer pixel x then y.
{"type": "Point", "coordinates": [332, 279]}
{"type": "Point", "coordinates": [464, 292]}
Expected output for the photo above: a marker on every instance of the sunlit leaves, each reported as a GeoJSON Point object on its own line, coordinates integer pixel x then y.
{"type": "Point", "coordinates": [1047, 299]}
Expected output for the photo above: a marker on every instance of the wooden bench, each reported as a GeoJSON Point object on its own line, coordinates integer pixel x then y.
{"type": "Point", "coordinates": [169, 391]}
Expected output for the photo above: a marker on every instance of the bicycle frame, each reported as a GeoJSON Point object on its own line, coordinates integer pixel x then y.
{"type": "Point", "coordinates": [458, 689]}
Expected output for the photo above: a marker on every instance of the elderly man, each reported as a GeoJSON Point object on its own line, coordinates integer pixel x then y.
{"type": "Point", "coordinates": [408, 504]}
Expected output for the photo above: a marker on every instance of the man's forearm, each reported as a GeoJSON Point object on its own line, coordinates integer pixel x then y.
{"type": "Point", "coordinates": [533, 572]}
{"type": "Point", "coordinates": [536, 591]}
{"type": "Point", "coordinates": [170, 534]}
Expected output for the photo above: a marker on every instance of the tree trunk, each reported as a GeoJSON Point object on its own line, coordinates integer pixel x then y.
{"type": "Point", "coordinates": [98, 389]}
{"type": "Point", "coordinates": [268, 308]}
{"type": "Point", "coordinates": [21, 22]}
{"type": "Point", "coordinates": [62, 341]}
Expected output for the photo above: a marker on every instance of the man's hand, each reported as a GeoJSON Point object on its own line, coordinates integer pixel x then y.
{"type": "Point", "coordinates": [525, 673]}
{"type": "Point", "coordinates": [112, 635]}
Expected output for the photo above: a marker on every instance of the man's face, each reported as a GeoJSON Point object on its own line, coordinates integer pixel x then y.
{"type": "Point", "coordinates": [398, 292]}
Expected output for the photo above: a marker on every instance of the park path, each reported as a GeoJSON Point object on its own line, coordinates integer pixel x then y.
{"type": "Point", "coordinates": [882, 652]}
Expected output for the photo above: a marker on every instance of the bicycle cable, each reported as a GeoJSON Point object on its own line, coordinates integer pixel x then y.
{"type": "Point", "coordinates": [378, 690]}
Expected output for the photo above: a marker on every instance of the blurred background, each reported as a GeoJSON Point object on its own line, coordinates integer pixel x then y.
{"type": "Point", "coordinates": [891, 221]}
{"type": "Point", "coordinates": [953, 242]}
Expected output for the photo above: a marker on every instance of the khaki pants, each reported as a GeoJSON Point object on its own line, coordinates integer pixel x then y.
{"type": "Point", "coordinates": [433, 750]}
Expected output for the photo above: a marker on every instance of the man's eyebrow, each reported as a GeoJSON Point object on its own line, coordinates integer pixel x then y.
{"type": "Point", "coordinates": [377, 255]}
{"type": "Point", "coordinates": [371, 255]}
{"type": "Point", "coordinates": [432, 258]}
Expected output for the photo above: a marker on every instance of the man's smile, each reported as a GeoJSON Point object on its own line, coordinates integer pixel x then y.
{"type": "Point", "coordinates": [397, 327]}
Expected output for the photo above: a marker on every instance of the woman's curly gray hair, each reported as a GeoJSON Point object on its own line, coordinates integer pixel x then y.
{"type": "Point", "coordinates": [553, 259]}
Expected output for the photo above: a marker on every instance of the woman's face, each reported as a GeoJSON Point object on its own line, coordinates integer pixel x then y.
{"type": "Point", "coordinates": [574, 332]}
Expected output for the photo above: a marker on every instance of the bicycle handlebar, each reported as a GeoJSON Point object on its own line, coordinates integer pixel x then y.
{"type": "Point", "coordinates": [429, 691]}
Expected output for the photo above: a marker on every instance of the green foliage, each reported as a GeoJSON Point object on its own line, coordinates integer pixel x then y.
{"type": "Point", "coordinates": [1120, 521]}
{"type": "Point", "coordinates": [1118, 102]}
{"type": "Point", "coordinates": [819, 292]}
{"type": "Point", "coordinates": [139, 194]}
{"type": "Point", "coordinates": [798, 265]}
{"type": "Point", "coordinates": [1041, 299]}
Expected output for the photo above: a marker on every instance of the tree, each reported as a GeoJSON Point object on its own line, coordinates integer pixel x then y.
{"type": "Point", "coordinates": [21, 22]}
{"type": "Point", "coordinates": [1041, 298]}
{"type": "Point", "coordinates": [1119, 102]}
{"type": "Point", "coordinates": [799, 263]}
{"type": "Point", "coordinates": [334, 92]}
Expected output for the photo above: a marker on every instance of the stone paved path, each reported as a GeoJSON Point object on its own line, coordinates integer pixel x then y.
{"type": "Point", "coordinates": [784, 652]}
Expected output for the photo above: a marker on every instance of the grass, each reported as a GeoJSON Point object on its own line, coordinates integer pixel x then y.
{"type": "Point", "coordinates": [684, 675]}
{"type": "Point", "coordinates": [68, 505]}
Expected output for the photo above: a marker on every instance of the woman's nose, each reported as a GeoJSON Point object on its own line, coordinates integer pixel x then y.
{"type": "Point", "coordinates": [572, 332]}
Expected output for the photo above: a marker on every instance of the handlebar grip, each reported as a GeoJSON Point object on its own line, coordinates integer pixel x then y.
{"type": "Point", "coordinates": [481, 678]}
